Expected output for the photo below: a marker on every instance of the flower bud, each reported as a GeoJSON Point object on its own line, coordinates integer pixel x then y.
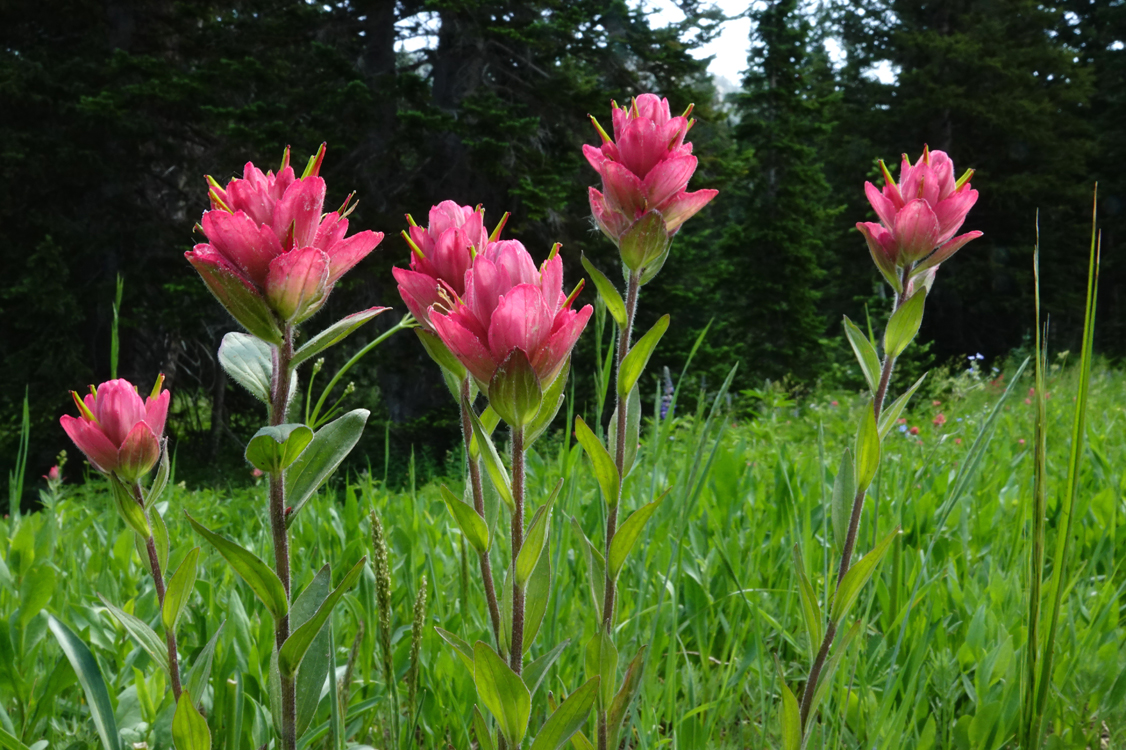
{"type": "Point", "coordinates": [118, 431]}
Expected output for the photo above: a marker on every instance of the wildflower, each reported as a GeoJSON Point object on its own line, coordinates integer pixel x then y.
{"type": "Point", "coordinates": [645, 171]}
{"type": "Point", "coordinates": [53, 474]}
{"type": "Point", "coordinates": [272, 257]}
{"type": "Point", "coordinates": [936, 403]}
{"type": "Point", "coordinates": [1021, 441]}
{"type": "Point", "coordinates": [441, 253]}
{"type": "Point", "coordinates": [1028, 401]}
{"type": "Point", "coordinates": [119, 432]}
{"type": "Point", "coordinates": [670, 391]}
{"type": "Point", "coordinates": [901, 420]}
{"type": "Point", "coordinates": [914, 430]}
{"type": "Point", "coordinates": [256, 472]}
{"type": "Point", "coordinates": [957, 441]}
{"type": "Point", "coordinates": [940, 419]}
{"type": "Point", "coordinates": [834, 403]}
{"type": "Point", "coordinates": [513, 329]}
{"type": "Point", "coordinates": [918, 216]}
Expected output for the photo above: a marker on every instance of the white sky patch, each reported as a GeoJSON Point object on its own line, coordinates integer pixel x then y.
{"type": "Point", "coordinates": [730, 48]}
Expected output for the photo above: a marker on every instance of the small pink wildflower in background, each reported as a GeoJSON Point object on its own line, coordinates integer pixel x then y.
{"type": "Point", "coordinates": [1028, 401]}
{"type": "Point", "coordinates": [834, 403]}
{"type": "Point", "coordinates": [957, 441]}
{"type": "Point", "coordinates": [1021, 441]}
{"type": "Point", "coordinates": [255, 472]}
{"type": "Point", "coordinates": [901, 420]}
{"type": "Point", "coordinates": [936, 403]}
{"type": "Point", "coordinates": [940, 420]}
{"type": "Point", "coordinates": [914, 430]}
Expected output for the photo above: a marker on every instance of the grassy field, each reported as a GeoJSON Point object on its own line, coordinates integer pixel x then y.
{"type": "Point", "coordinates": [937, 664]}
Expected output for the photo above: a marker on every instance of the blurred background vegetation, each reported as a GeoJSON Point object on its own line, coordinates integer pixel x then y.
{"type": "Point", "coordinates": [113, 111]}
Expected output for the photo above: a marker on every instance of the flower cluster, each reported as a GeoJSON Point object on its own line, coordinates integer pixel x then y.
{"type": "Point", "coordinates": [272, 257]}
{"type": "Point", "coordinates": [919, 217]}
{"type": "Point", "coordinates": [119, 432]}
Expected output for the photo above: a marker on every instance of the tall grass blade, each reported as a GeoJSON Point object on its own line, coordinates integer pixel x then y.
{"type": "Point", "coordinates": [93, 684]}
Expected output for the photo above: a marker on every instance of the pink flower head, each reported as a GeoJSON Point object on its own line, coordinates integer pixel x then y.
{"type": "Point", "coordinates": [919, 216]}
{"type": "Point", "coordinates": [119, 431]}
{"type": "Point", "coordinates": [441, 253]}
{"type": "Point", "coordinates": [645, 171]}
{"type": "Point", "coordinates": [53, 474]}
{"type": "Point", "coordinates": [272, 256]}
{"type": "Point", "coordinates": [914, 430]}
{"type": "Point", "coordinates": [940, 419]}
{"type": "Point", "coordinates": [510, 306]}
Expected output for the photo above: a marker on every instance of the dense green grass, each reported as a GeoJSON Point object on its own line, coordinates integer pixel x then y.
{"type": "Point", "coordinates": [938, 662]}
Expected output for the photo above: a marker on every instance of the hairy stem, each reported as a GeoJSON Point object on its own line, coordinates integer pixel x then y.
{"type": "Point", "coordinates": [516, 659]}
{"type": "Point", "coordinates": [850, 538]}
{"type": "Point", "coordinates": [279, 403]}
{"type": "Point", "coordinates": [158, 581]}
{"type": "Point", "coordinates": [479, 506]}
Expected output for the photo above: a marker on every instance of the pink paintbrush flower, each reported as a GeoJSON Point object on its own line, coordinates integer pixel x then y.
{"type": "Point", "coordinates": [119, 432]}
{"type": "Point", "coordinates": [645, 171]}
{"type": "Point", "coordinates": [513, 323]}
{"type": "Point", "coordinates": [441, 253]}
{"type": "Point", "coordinates": [919, 216]}
{"type": "Point", "coordinates": [272, 256]}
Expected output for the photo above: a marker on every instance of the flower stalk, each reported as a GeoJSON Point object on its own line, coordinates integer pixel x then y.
{"type": "Point", "coordinates": [279, 404]}
{"type": "Point", "coordinates": [516, 658]}
{"type": "Point", "coordinates": [158, 581]}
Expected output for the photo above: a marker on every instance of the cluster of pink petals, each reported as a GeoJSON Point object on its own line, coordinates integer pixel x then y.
{"type": "Point", "coordinates": [919, 216]}
{"type": "Point", "coordinates": [117, 430]}
{"type": "Point", "coordinates": [646, 167]}
{"type": "Point", "coordinates": [269, 243]}
{"type": "Point", "coordinates": [509, 304]}
{"type": "Point", "coordinates": [441, 254]}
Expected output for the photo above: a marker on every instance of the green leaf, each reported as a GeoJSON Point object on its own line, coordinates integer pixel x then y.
{"type": "Point", "coordinates": [633, 430]}
{"type": "Point", "coordinates": [463, 649]}
{"type": "Point", "coordinates": [631, 683]}
{"type": "Point", "coordinates": [160, 481]}
{"type": "Point", "coordinates": [646, 242]}
{"type": "Point", "coordinates": [471, 524]}
{"type": "Point", "coordinates": [314, 669]}
{"type": "Point", "coordinates": [535, 600]}
{"type": "Point", "coordinates": [602, 661]}
{"type": "Point", "coordinates": [604, 469]}
{"type": "Point", "coordinates": [334, 334]}
{"type": "Point", "coordinates": [858, 575]}
{"type": "Point", "coordinates": [830, 668]}
{"type": "Point", "coordinates": [330, 446]}
{"type": "Point", "coordinates": [889, 415]}
{"type": "Point", "coordinates": [36, 590]}
{"type": "Point", "coordinates": [789, 716]}
{"type": "Point", "coordinates": [274, 448]}
{"type": "Point", "coordinates": [489, 421]}
{"type": "Point", "coordinates": [249, 363]}
{"type": "Point", "coordinates": [867, 450]}
{"type": "Point", "coordinates": [503, 693]}
{"type": "Point", "coordinates": [93, 684]}
{"type": "Point", "coordinates": [844, 494]}
{"type": "Point", "coordinates": [515, 391]}
{"type": "Point", "coordinates": [179, 590]}
{"type": "Point", "coordinates": [189, 728]}
{"type": "Point", "coordinates": [535, 671]}
{"type": "Point", "coordinates": [128, 508]}
{"type": "Point", "coordinates": [493, 466]}
{"type": "Point", "coordinates": [627, 535]}
{"type": "Point", "coordinates": [568, 718]}
{"type": "Point", "coordinates": [200, 672]}
{"type": "Point", "coordinates": [294, 648]}
{"type": "Point", "coordinates": [552, 400]}
{"type": "Point", "coordinates": [811, 610]}
{"type": "Point", "coordinates": [535, 539]}
{"type": "Point", "coordinates": [262, 581]}
{"type": "Point", "coordinates": [904, 324]}
{"type": "Point", "coordinates": [597, 565]}
{"type": "Point", "coordinates": [865, 354]}
{"type": "Point", "coordinates": [634, 363]}
{"type": "Point", "coordinates": [8, 742]}
{"type": "Point", "coordinates": [481, 731]}
{"type": "Point", "coordinates": [443, 356]}
{"type": "Point", "coordinates": [145, 637]}
{"type": "Point", "coordinates": [610, 296]}
{"type": "Point", "coordinates": [160, 541]}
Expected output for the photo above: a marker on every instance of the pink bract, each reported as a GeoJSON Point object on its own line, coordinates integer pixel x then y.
{"type": "Point", "coordinates": [117, 430]}
{"type": "Point", "coordinates": [509, 304]}
{"type": "Point", "coordinates": [272, 255]}
{"type": "Point", "coordinates": [919, 216]}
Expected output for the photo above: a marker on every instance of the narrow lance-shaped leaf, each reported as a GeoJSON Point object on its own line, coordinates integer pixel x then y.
{"type": "Point", "coordinates": [568, 718]}
{"type": "Point", "coordinates": [493, 466]}
{"type": "Point", "coordinates": [904, 324]}
{"type": "Point", "coordinates": [200, 673]}
{"type": "Point", "coordinates": [160, 480]}
{"type": "Point", "coordinates": [294, 648]}
{"type": "Point", "coordinates": [535, 539]}
{"type": "Point", "coordinates": [867, 449]}
{"type": "Point", "coordinates": [631, 683]}
{"type": "Point", "coordinates": [891, 413]}
{"type": "Point", "coordinates": [461, 648]}
{"type": "Point", "coordinates": [334, 334]}
{"type": "Point", "coordinates": [535, 671]}
{"type": "Point", "coordinates": [503, 693]}
{"type": "Point", "coordinates": [789, 716]}
{"type": "Point", "coordinates": [634, 363]}
{"type": "Point", "coordinates": [329, 447]}
{"type": "Point", "coordinates": [179, 590]}
{"type": "Point", "coordinates": [471, 524]}
{"type": "Point", "coordinates": [602, 661]}
{"type": "Point", "coordinates": [865, 354]}
{"type": "Point", "coordinates": [857, 576]}
{"type": "Point", "coordinates": [604, 469]}
{"type": "Point", "coordinates": [140, 632]}
{"type": "Point", "coordinates": [128, 508]}
{"type": "Point", "coordinates": [535, 601]}
{"type": "Point", "coordinates": [481, 731]}
{"type": "Point", "coordinates": [262, 581]}
{"type": "Point", "coordinates": [606, 290]}
{"type": "Point", "coordinates": [811, 610]}
{"type": "Point", "coordinates": [627, 535]}
{"type": "Point", "coordinates": [844, 494]}
{"type": "Point", "coordinates": [189, 728]}
{"type": "Point", "coordinates": [93, 684]}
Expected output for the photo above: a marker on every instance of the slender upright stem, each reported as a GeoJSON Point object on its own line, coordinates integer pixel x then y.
{"type": "Point", "coordinates": [479, 506]}
{"type": "Point", "coordinates": [158, 581]}
{"type": "Point", "coordinates": [853, 528]}
{"type": "Point", "coordinates": [609, 594]}
{"type": "Point", "coordinates": [516, 659]}
{"type": "Point", "coordinates": [279, 403]}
